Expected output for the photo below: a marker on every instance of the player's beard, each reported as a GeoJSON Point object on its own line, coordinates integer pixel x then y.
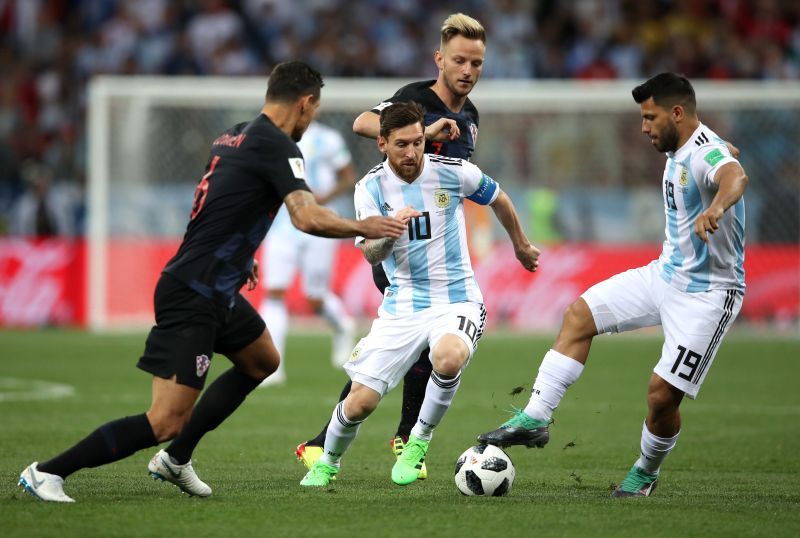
{"type": "Point", "coordinates": [668, 139]}
{"type": "Point", "coordinates": [453, 86]}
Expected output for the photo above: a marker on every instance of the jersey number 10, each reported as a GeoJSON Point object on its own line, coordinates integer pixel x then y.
{"type": "Point", "coordinates": [420, 227]}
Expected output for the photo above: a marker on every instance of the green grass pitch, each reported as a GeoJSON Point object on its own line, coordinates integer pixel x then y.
{"type": "Point", "coordinates": [735, 471]}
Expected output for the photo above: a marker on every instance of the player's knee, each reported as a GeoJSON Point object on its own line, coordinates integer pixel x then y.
{"type": "Point", "coordinates": [662, 399]}
{"type": "Point", "coordinates": [167, 424]}
{"type": "Point", "coordinates": [578, 320]}
{"type": "Point", "coordinates": [358, 407]}
{"type": "Point", "coordinates": [449, 360]}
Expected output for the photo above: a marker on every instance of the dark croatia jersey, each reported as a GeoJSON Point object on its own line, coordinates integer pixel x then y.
{"type": "Point", "coordinates": [252, 167]}
{"type": "Point", "coordinates": [467, 119]}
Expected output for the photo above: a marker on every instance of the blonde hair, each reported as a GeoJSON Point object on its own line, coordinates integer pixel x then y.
{"type": "Point", "coordinates": [463, 25]}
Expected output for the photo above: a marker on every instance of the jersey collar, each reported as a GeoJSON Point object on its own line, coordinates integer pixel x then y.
{"type": "Point", "coordinates": [683, 151]}
{"type": "Point", "coordinates": [394, 177]}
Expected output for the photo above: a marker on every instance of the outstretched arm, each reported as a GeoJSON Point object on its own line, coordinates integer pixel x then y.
{"type": "Point", "coordinates": [367, 124]}
{"type": "Point", "coordinates": [377, 250]}
{"type": "Point", "coordinates": [732, 182]}
{"type": "Point", "coordinates": [310, 217]}
{"type": "Point", "coordinates": [527, 253]}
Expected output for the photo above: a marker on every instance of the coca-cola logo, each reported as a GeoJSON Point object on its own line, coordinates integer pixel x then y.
{"type": "Point", "coordinates": [33, 280]}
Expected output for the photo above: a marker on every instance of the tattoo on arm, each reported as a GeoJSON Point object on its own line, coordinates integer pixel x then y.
{"type": "Point", "coordinates": [377, 250]}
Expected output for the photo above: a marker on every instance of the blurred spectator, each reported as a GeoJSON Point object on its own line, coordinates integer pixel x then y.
{"type": "Point", "coordinates": [44, 210]}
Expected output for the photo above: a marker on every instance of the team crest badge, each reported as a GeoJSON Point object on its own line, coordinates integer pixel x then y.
{"type": "Point", "coordinates": [441, 197]}
{"type": "Point", "coordinates": [684, 180]}
{"type": "Point", "coordinates": [203, 362]}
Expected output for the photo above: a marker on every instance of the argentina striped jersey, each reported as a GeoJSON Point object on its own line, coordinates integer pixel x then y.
{"type": "Point", "coordinates": [686, 262]}
{"type": "Point", "coordinates": [430, 263]}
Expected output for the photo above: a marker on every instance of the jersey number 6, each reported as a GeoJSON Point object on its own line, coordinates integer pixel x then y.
{"type": "Point", "coordinates": [201, 192]}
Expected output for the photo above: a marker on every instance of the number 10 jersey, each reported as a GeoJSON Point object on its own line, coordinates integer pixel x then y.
{"type": "Point", "coordinates": [430, 263]}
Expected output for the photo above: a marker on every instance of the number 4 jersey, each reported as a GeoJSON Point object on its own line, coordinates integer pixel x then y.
{"type": "Point", "coordinates": [686, 262]}
{"type": "Point", "coordinates": [430, 264]}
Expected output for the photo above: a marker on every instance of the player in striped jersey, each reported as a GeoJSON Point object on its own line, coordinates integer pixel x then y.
{"type": "Point", "coordinates": [432, 299]}
{"type": "Point", "coordinates": [693, 290]}
{"type": "Point", "coordinates": [451, 129]}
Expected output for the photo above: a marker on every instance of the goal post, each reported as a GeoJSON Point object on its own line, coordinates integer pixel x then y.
{"type": "Point", "coordinates": [571, 154]}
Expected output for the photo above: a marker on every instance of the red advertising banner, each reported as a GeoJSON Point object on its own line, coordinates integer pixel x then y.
{"type": "Point", "coordinates": [42, 282]}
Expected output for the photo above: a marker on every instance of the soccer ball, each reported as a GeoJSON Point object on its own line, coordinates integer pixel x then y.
{"type": "Point", "coordinates": [484, 470]}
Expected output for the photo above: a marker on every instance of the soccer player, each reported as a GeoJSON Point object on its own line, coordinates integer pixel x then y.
{"type": "Point", "coordinates": [330, 173]}
{"type": "Point", "coordinates": [253, 168]}
{"type": "Point", "coordinates": [694, 290]}
{"type": "Point", "coordinates": [432, 299]}
{"type": "Point", "coordinates": [451, 122]}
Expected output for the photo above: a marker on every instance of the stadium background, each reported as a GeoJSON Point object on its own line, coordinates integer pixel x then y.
{"type": "Point", "coordinates": [593, 204]}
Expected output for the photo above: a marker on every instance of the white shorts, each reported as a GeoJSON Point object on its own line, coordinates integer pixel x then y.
{"type": "Point", "coordinates": [309, 254]}
{"type": "Point", "coordinates": [694, 323]}
{"type": "Point", "coordinates": [382, 358]}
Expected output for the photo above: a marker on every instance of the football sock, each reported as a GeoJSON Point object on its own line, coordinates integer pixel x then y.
{"type": "Point", "coordinates": [414, 384]}
{"type": "Point", "coordinates": [654, 450]}
{"type": "Point", "coordinates": [556, 373]}
{"type": "Point", "coordinates": [341, 432]}
{"type": "Point", "coordinates": [319, 440]}
{"type": "Point", "coordinates": [277, 319]}
{"type": "Point", "coordinates": [110, 442]}
{"type": "Point", "coordinates": [438, 396]}
{"type": "Point", "coordinates": [220, 399]}
{"type": "Point", "coordinates": [334, 312]}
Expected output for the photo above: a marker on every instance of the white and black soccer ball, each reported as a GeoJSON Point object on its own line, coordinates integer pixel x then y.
{"type": "Point", "coordinates": [484, 470]}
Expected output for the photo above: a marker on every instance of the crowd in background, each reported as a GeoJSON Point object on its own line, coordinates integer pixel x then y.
{"type": "Point", "coordinates": [49, 49]}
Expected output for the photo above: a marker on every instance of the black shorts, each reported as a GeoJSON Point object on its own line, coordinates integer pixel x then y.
{"type": "Point", "coordinates": [190, 328]}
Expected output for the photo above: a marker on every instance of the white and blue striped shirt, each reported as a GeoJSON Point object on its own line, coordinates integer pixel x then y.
{"type": "Point", "coordinates": [430, 264]}
{"type": "Point", "coordinates": [686, 262]}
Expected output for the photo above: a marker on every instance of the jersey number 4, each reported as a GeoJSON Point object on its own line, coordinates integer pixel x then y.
{"type": "Point", "coordinates": [201, 192]}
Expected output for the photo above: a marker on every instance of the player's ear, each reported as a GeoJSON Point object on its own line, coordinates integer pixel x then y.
{"type": "Point", "coordinates": [439, 59]}
{"type": "Point", "coordinates": [382, 143]}
{"type": "Point", "coordinates": [678, 113]}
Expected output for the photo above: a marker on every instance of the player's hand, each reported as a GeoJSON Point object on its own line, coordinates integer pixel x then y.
{"type": "Point", "coordinates": [406, 214]}
{"type": "Point", "coordinates": [252, 278]}
{"type": "Point", "coordinates": [442, 129]}
{"type": "Point", "coordinates": [378, 227]}
{"type": "Point", "coordinates": [528, 256]}
{"type": "Point", "coordinates": [733, 149]}
{"type": "Point", "coordinates": [707, 222]}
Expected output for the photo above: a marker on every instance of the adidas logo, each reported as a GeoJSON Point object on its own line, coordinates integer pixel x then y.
{"type": "Point", "coordinates": [386, 207]}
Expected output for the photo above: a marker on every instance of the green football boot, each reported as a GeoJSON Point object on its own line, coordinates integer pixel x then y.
{"type": "Point", "coordinates": [638, 483]}
{"type": "Point", "coordinates": [320, 475]}
{"type": "Point", "coordinates": [409, 463]}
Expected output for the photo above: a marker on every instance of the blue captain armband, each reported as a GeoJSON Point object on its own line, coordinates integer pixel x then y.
{"type": "Point", "coordinates": [487, 191]}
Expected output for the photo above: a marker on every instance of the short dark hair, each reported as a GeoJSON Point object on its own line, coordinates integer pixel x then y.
{"type": "Point", "coordinates": [292, 80]}
{"type": "Point", "coordinates": [667, 90]}
{"type": "Point", "coordinates": [400, 115]}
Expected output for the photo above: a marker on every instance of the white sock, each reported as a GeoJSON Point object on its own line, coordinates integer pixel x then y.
{"type": "Point", "coordinates": [277, 319]}
{"type": "Point", "coordinates": [438, 396]}
{"type": "Point", "coordinates": [654, 450]}
{"type": "Point", "coordinates": [556, 373]}
{"type": "Point", "coordinates": [341, 432]}
{"type": "Point", "coordinates": [334, 312]}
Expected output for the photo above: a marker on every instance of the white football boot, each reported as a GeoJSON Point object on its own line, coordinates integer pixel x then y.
{"type": "Point", "coordinates": [183, 476]}
{"type": "Point", "coordinates": [44, 486]}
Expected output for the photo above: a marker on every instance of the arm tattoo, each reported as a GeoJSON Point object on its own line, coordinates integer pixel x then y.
{"type": "Point", "coordinates": [377, 250]}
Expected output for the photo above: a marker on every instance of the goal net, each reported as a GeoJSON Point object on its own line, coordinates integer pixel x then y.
{"type": "Point", "coordinates": [582, 176]}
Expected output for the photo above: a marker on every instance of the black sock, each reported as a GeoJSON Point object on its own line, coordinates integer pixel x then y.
{"type": "Point", "coordinates": [110, 442]}
{"type": "Point", "coordinates": [414, 384]}
{"type": "Point", "coordinates": [220, 399]}
{"type": "Point", "coordinates": [319, 440]}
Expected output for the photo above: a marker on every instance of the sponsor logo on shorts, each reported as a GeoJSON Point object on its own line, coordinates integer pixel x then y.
{"type": "Point", "coordinates": [203, 362]}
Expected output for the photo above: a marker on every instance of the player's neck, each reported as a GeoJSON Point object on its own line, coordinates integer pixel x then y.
{"type": "Point", "coordinates": [450, 100]}
{"type": "Point", "coordinates": [685, 133]}
{"type": "Point", "coordinates": [284, 117]}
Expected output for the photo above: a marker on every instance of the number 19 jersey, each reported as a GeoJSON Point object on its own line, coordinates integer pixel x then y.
{"type": "Point", "coordinates": [430, 263]}
{"type": "Point", "coordinates": [686, 262]}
